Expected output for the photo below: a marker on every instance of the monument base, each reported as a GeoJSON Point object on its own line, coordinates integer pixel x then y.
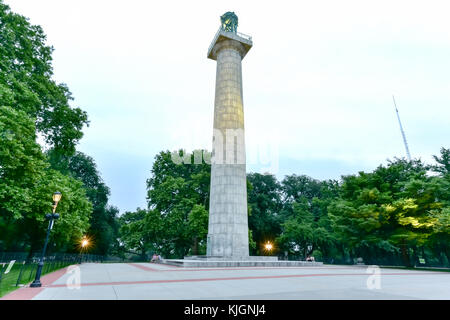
{"type": "Point", "coordinates": [232, 258]}
{"type": "Point", "coordinates": [229, 262]}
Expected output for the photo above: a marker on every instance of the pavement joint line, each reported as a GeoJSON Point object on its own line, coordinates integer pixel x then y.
{"type": "Point", "coordinates": [233, 278]}
{"type": "Point", "coordinates": [245, 268]}
{"type": "Point", "coordinates": [109, 275]}
{"type": "Point", "coordinates": [142, 267]}
{"type": "Point", "coordinates": [170, 265]}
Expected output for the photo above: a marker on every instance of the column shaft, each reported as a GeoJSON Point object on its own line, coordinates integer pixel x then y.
{"type": "Point", "coordinates": [228, 222]}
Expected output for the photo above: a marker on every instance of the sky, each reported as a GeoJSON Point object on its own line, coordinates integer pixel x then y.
{"type": "Point", "coordinates": [318, 82]}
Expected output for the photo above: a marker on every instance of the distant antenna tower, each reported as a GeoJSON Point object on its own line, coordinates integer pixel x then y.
{"type": "Point", "coordinates": [401, 129]}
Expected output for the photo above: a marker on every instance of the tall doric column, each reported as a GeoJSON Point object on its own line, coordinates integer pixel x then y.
{"type": "Point", "coordinates": [228, 222]}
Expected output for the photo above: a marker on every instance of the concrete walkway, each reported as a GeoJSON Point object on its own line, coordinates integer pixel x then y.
{"type": "Point", "coordinates": [156, 281]}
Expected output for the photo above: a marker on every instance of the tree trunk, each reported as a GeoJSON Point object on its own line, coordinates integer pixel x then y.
{"type": "Point", "coordinates": [143, 255]}
{"type": "Point", "coordinates": [405, 254]}
{"type": "Point", "coordinates": [195, 247]}
{"type": "Point", "coordinates": [415, 256]}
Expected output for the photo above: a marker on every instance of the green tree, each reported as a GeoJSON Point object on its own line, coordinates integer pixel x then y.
{"type": "Point", "coordinates": [304, 215]}
{"type": "Point", "coordinates": [133, 233]}
{"type": "Point", "coordinates": [388, 211]}
{"type": "Point", "coordinates": [264, 202]}
{"type": "Point", "coordinates": [26, 82]}
{"type": "Point", "coordinates": [74, 208]}
{"type": "Point", "coordinates": [298, 230]}
{"type": "Point", "coordinates": [295, 187]}
{"type": "Point", "coordinates": [26, 187]}
{"type": "Point", "coordinates": [303, 232]}
{"type": "Point", "coordinates": [198, 228]}
{"type": "Point", "coordinates": [440, 238]}
{"type": "Point", "coordinates": [443, 163]}
{"type": "Point", "coordinates": [22, 163]}
{"type": "Point", "coordinates": [103, 223]}
{"type": "Point", "coordinates": [177, 190]}
{"type": "Point", "coordinates": [32, 104]}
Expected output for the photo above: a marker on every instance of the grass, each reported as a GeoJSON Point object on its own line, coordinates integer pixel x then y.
{"type": "Point", "coordinates": [26, 272]}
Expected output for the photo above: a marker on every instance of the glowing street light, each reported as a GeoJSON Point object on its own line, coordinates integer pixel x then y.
{"type": "Point", "coordinates": [268, 246]}
{"type": "Point", "coordinates": [84, 243]}
{"type": "Point", "coordinates": [56, 198]}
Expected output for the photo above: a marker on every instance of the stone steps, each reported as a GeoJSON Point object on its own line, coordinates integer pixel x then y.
{"type": "Point", "coordinates": [230, 264]}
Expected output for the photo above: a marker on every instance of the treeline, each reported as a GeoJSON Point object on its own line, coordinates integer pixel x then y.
{"type": "Point", "coordinates": [396, 215]}
{"type": "Point", "coordinates": [33, 107]}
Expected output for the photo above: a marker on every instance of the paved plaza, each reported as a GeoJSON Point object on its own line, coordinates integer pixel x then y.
{"type": "Point", "coordinates": [156, 281]}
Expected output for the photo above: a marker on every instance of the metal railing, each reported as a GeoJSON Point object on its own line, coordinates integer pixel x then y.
{"type": "Point", "coordinates": [245, 36]}
{"type": "Point", "coordinates": [18, 268]}
{"type": "Point", "coordinates": [242, 35]}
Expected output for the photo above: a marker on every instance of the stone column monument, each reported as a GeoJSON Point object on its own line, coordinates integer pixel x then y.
{"type": "Point", "coordinates": [228, 223]}
{"type": "Point", "coordinates": [227, 241]}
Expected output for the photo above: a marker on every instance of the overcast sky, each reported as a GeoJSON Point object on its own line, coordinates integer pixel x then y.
{"type": "Point", "coordinates": [318, 82]}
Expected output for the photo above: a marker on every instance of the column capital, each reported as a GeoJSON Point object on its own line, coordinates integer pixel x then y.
{"type": "Point", "coordinates": [228, 44]}
{"type": "Point", "coordinates": [224, 39]}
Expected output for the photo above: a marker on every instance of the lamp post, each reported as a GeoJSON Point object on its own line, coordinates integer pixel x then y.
{"type": "Point", "coordinates": [51, 217]}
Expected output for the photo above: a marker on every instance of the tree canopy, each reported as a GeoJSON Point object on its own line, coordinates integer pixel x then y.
{"type": "Point", "coordinates": [176, 221]}
{"type": "Point", "coordinates": [393, 215]}
{"type": "Point", "coordinates": [26, 82]}
{"type": "Point", "coordinates": [33, 107]}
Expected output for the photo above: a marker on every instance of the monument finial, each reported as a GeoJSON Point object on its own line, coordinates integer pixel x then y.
{"type": "Point", "coordinates": [229, 22]}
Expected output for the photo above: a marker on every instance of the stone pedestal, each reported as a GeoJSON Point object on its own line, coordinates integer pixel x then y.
{"type": "Point", "coordinates": [251, 261]}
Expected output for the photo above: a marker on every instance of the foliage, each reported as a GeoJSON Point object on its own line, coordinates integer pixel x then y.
{"type": "Point", "coordinates": [176, 221]}
{"type": "Point", "coordinates": [264, 202]}
{"type": "Point", "coordinates": [103, 223]}
{"type": "Point", "coordinates": [390, 211]}
{"type": "Point", "coordinates": [26, 83]}
{"type": "Point", "coordinates": [22, 163]}
{"type": "Point", "coordinates": [392, 215]}
{"type": "Point", "coordinates": [34, 107]}
{"type": "Point", "coordinates": [26, 188]}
